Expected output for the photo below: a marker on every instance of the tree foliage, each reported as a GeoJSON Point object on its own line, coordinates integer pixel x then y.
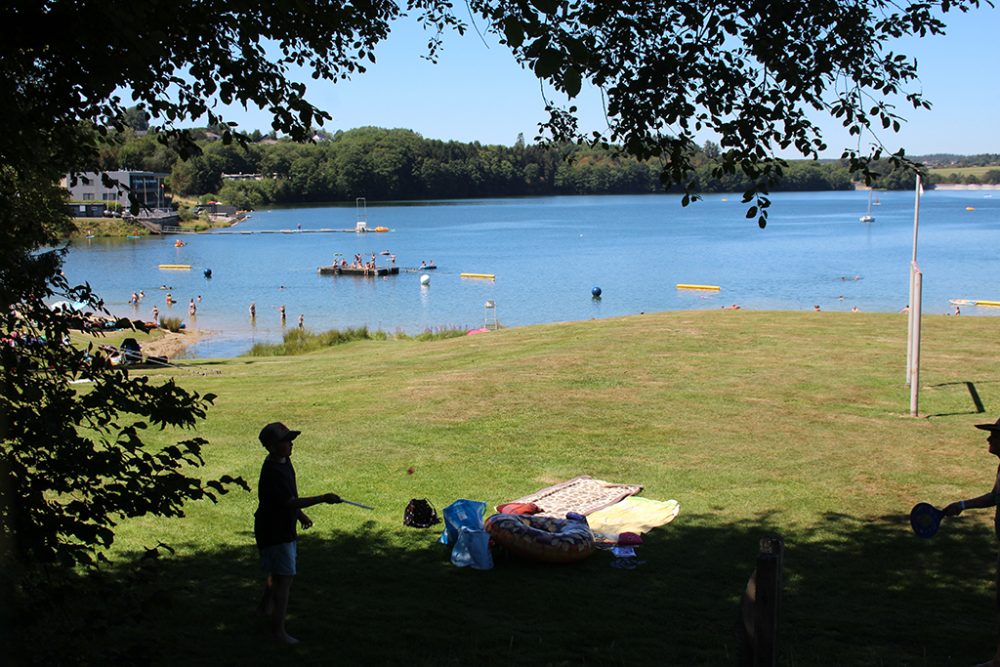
{"type": "Point", "coordinates": [755, 73]}
{"type": "Point", "coordinates": [751, 71]}
{"type": "Point", "coordinates": [400, 164]}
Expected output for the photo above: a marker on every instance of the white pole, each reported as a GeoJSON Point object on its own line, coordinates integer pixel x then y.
{"type": "Point", "coordinates": [913, 262]}
{"type": "Point", "coordinates": [915, 364]}
{"type": "Point", "coordinates": [909, 327]}
{"type": "Point", "coordinates": [916, 217]}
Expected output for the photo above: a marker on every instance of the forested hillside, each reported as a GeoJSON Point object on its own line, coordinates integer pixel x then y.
{"type": "Point", "coordinates": [394, 164]}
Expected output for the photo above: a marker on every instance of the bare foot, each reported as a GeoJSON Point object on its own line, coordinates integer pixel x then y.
{"type": "Point", "coordinates": [285, 638]}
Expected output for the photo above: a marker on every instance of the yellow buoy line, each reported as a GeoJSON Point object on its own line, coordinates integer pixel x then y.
{"type": "Point", "coordinates": [486, 276]}
{"type": "Point", "coordinates": [175, 266]}
{"type": "Point", "coordinates": [714, 288]}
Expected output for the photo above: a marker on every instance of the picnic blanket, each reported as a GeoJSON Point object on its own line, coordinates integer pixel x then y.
{"type": "Point", "coordinates": [632, 515]}
{"type": "Point", "coordinates": [582, 494]}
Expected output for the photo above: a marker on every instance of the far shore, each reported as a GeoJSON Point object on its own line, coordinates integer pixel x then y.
{"type": "Point", "coordinates": [967, 186]}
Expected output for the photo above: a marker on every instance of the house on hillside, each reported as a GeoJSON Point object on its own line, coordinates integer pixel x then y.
{"type": "Point", "coordinates": [89, 190]}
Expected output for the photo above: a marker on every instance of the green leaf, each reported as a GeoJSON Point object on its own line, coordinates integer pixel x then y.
{"type": "Point", "coordinates": [572, 82]}
{"type": "Point", "coordinates": [546, 6]}
{"type": "Point", "coordinates": [548, 63]}
{"type": "Point", "coordinates": [513, 32]}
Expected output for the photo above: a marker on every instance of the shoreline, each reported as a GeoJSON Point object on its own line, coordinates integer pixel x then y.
{"type": "Point", "coordinates": [173, 345]}
{"type": "Point", "coordinates": [176, 345]}
{"type": "Point", "coordinates": [966, 186]}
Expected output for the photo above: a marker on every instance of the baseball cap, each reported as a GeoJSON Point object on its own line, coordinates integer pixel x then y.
{"type": "Point", "coordinates": [990, 427]}
{"type": "Point", "coordinates": [276, 432]}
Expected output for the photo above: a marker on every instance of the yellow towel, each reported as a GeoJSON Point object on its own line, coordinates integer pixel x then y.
{"type": "Point", "coordinates": [632, 515]}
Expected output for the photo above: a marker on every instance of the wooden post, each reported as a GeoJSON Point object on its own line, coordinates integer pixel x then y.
{"type": "Point", "coordinates": [767, 605]}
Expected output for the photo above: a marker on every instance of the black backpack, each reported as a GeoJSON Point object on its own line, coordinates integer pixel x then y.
{"type": "Point", "coordinates": [419, 513]}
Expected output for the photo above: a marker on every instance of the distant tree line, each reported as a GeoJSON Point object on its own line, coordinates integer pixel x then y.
{"type": "Point", "coordinates": [990, 177]}
{"type": "Point", "coordinates": [950, 160]}
{"type": "Point", "coordinates": [396, 164]}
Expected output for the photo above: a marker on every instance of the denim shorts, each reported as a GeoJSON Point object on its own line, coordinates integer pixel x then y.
{"type": "Point", "coordinates": [279, 559]}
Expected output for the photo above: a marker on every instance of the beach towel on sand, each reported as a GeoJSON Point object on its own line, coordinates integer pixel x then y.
{"type": "Point", "coordinates": [631, 515]}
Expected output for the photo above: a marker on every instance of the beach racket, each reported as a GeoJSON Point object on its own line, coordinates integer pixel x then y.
{"type": "Point", "coordinates": [925, 519]}
{"type": "Point", "coordinates": [351, 502]}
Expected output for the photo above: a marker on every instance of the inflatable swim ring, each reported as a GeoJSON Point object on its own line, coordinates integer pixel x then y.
{"type": "Point", "coordinates": [542, 538]}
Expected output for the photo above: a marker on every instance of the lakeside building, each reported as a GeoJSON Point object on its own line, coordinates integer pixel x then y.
{"type": "Point", "coordinates": [146, 186]}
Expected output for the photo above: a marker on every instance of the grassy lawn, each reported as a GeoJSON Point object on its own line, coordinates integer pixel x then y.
{"type": "Point", "coordinates": [103, 227]}
{"type": "Point", "coordinates": [758, 423]}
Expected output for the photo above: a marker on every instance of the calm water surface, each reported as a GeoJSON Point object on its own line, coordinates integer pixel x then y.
{"type": "Point", "coordinates": [548, 254]}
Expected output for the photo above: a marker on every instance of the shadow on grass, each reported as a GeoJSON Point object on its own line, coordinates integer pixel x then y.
{"type": "Point", "coordinates": [977, 402]}
{"type": "Point", "coordinates": [856, 593]}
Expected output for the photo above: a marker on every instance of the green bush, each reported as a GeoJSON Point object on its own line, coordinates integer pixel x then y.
{"type": "Point", "coordinates": [170, 324]}
{"type": "Point", "coordinates": [436, 334]}
{"type": "Point", "coordinates": [300, 341]}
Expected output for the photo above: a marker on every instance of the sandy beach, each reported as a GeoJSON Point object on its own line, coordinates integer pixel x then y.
{"type": "Point", "coordinates": [171, 344]}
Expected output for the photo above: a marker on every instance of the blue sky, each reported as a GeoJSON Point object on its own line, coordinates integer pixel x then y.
{"type": "Point", "coordinates": [478, 93]}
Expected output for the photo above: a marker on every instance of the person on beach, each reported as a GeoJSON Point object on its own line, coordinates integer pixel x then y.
{"type": "Point", "coordinates": [279, 509]}
{"type": "Point", "coordinates": [253, 311]}
{"type": "Point", "coordinates": [991, 499]}
{"type": "Point", "coordinates": [192, 309]}
{"type": "Point", "coordinates": [156, 315]}
{"type": "Point", "coordinates": [281, 310]}
{"type": "Point", "coordinates": [302, 320]}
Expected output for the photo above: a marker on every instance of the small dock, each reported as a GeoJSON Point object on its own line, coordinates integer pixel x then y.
{"type": "Point", "coordinates": [378, 271]}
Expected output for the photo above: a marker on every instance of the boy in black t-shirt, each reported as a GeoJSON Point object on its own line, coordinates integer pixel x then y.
{"type": "Point", "coordinates": [279, 508]}
{"type": "Point", "coordinates": [991, 499]}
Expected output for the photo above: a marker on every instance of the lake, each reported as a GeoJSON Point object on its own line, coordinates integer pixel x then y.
{"type": "Point", "coordinates": [547, 255]}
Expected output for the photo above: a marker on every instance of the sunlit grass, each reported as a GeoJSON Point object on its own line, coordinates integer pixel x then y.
{"type": "Point", "coordinates": [758, 423]}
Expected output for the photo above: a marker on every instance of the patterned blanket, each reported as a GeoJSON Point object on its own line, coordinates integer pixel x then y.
{"type": "Point", "coordinates": [582, 494]}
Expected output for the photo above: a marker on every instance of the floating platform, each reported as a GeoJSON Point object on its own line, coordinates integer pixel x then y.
{"type": "Point", "coordinates": [378, 271]}
{"type": "Point", "coordinates": [484, 276]}
{"type": "Point", "coordinates": [325, 230]}
{"type": "Point", "coordinates": [713, 288]}
{"type": "Point", "coordinates": [176, 266]}
{"type": "Point", "coordinates": [975, 302]}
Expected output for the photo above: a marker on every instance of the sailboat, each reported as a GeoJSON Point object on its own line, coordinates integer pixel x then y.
{"type": "Point", "coordinates": [868, 217]}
